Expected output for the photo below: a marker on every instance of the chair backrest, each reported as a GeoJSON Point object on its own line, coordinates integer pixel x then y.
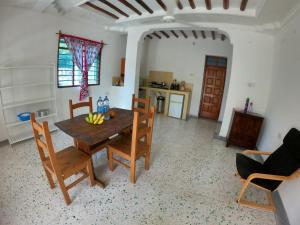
{"type": "Point", "coordinates": [141, 105]}
{"type": "Point", "coordinates": [142, 127]}
{"type": "Point", "coordinates": [286, 159]}
{"type": "Point", "coordinates": [72, 106]}
{"type": "Point", "coordinates": [43, 141]}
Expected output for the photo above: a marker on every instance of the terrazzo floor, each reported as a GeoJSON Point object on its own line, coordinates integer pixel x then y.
{"type": "Point", "coordinates": [191, 181]}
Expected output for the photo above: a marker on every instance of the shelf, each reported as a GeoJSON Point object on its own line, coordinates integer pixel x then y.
{"type": "Point", "coordinates": [28, 121]}
{"type": "Point", "coordinates": [27, 135]}
{"type": "Point", "coordinates": [27, 67]}
{"type": "Point", "coordinates": [13, 89]}
{"type": "Point", "coordinates": [25, 85]}
{"type": "Point", "coordinates": [17, 104]}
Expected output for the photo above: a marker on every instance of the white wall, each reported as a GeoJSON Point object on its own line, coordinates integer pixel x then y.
{"type": "Point", "coordinates": [186, 59]}
{"type": "Point", "coordinates": [29, 38]}
{"type": "Point", "coordinates": [251, 70]}
{"type": "Point", "coordinates": [283, 111]}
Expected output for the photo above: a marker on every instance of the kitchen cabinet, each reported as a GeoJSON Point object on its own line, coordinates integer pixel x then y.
{"type": "Point", "coordinates": [167, 93]}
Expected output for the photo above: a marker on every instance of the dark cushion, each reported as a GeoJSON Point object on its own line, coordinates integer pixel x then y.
{"type": "Point", "coordinates": [292, 141]}
{"type": "Point", "coordinates": [281, 162]}
{"type": "Point", "coordinates": [247, 166]}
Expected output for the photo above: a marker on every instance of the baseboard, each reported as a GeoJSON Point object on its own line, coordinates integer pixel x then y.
{"type": "Point", "coordinates": [3, 143]}
{"type": "Point", "coordinates": [280, 213]}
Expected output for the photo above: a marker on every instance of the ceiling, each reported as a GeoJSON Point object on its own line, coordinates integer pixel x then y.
{"type": "Point", "coordinates": [186, 34]}
{"type": "Point", "coordinates": [139, 12]}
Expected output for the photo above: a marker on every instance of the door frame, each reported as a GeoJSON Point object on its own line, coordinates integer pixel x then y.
{"type": "Point", "coordinates": [203, 82]}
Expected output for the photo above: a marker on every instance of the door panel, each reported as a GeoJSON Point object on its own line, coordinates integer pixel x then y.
{"type": "Point", "coordinates": [212, 92]}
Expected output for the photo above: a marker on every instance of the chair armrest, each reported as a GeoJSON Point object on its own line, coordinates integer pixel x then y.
{"type": "Point", "coordinates": [274, 177]}
{"type": "Point", "coordinates": [267, 177]}
{"type": "Point", "coordinates": [254, 152]}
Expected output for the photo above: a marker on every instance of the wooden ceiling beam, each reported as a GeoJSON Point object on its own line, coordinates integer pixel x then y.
{"type": "Point", "coordinates": [114, 7]}
{"type": "Point", "coordinates": [195, 34]}
{"type": "Point", "coordinates": [128, 5]}
{"type": "Point", "coordinates": [203, 34]}
{"type": "Point", "coordinates": [225, 4]}
{"type": "Point", "coordinates": [192, 4]}
{"type": "Point", "coordinates": [208, 4]}
{"type": "Point", "coordinates": [101, 10]}
{"type": "Point", "coordinates": [223, 37]}
{"type": "Point", "coordinates": [145, 6]}
{"type": "Point", "coordinates": [156, 35]}
{"type": "Point", "coordinates": [165, 34]}
{"type": "Point", "coordinates": [174, 33]}
{"type": "Point", "coordinates": [184, 34]}
{"type": "Point", "coordinates": [162, 4]}
{"type": "Point", "coordinates": [179, 4]}
{"type": "Point", "coordinates": [243, 5]}
{"type": "Point", "coordinates": [213, 34]}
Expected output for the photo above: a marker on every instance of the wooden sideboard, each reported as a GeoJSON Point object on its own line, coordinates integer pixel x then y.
{"type": "Point", "coordinates": [245, 129]}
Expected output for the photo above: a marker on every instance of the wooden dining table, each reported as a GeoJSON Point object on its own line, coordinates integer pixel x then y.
{"type": "Point", "coordinates": [93, 135]}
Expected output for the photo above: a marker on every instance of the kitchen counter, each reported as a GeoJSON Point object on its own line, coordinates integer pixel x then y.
{"type": "Point", "coordinates": [167, 92]}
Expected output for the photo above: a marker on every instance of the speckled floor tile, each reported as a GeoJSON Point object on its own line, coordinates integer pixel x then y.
{"type": "Point", "coordinates": [191, 181]}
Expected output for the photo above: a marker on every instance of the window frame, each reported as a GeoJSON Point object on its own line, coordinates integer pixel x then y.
{"type": "Point", "coordinates": [73, 85]}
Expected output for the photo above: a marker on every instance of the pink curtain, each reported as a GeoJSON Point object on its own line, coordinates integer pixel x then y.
{"type": "Point", "coordinates": [84, 53]}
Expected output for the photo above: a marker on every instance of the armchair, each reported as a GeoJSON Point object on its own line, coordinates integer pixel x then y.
{"type": "Point", "coordinates": [281, 165]}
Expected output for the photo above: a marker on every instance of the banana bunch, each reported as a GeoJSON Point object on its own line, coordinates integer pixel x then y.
{"type": "Point", "coordinates": [94, 118]}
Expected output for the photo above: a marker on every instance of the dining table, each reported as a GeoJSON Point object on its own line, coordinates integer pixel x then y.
{"type": "Point", "coordinates": [96, 134]}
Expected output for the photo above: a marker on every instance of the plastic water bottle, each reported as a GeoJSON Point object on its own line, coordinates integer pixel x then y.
{"type": "Point", "coordinates": [106, 104]}
{"type": "Point", "coordinates": [100, 105]}
{"type": "Point", "coordinates": [106, 108]}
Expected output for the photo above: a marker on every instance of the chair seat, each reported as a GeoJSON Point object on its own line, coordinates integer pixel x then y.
{"type": "Point", "coordinates": [247, 166]}
{"type": "Point", "coordinates": [122, 145]}
{"type": "Point", "coordinates": [68, 160]}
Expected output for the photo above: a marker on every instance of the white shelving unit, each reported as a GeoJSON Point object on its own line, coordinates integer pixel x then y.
{"type": "Point", "coordinates": [27, 89]}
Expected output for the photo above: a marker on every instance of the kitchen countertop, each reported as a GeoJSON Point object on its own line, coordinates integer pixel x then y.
{"type": "Point", "coordinates": [165, 90]}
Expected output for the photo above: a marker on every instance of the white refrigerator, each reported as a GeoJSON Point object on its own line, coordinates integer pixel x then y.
{"type": "Point", "coordinates": [176, 105]}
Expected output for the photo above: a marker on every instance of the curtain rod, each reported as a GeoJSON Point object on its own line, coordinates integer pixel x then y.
{"type": "Point", "coordinates": [84, 39]}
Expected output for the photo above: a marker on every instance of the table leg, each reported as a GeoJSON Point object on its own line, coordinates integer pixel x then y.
{"type": "Point", "coordinates": [97, 181]}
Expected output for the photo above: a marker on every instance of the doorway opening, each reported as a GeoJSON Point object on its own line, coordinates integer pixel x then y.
{"type": "Point", "coordinates": [213, 87]}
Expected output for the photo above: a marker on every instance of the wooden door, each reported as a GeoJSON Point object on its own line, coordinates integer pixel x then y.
{"type": "Point", "coordinates": [212, 92]}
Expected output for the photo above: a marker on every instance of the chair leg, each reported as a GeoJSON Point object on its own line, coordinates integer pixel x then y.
{"type": "Point", "coordinates": [107, 154]}
{"type": "Point", "coordinates": [132, 171]}
{"type": "Point", "coordinates": [64, 190]}
{"type": "Point", "coordinates": [90, 173]}
{"type": "Point", "coordinates": [242, 191]}
{"type": "Point", "coordinates": [50, 179]}
{"type": "Point", "coordinates": [253, 204]}
{"type": "Point", "coordinates": [147, 161]}
{"type": "Point", "coordinates": [75, 143]}
{"type": "Point", "coordinates": [110, 159]}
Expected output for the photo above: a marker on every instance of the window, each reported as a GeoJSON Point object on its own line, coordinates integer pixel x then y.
{"type": "Point", "coordinates": [68, 74]}
{"type": "Point", "coordinates": [216, 61]}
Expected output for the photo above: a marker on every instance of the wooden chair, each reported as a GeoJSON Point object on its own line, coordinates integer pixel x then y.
{"type": "Point", "coordinates": [131, 147]}
{"type": "Point", "coordinates": [62, 164]}
{"type": "Point", "coordinates": [281, 165]}
{"type": "Point", "coordinates": [81, 145]}
{"type": "Point", "coordinates": [141, 105]}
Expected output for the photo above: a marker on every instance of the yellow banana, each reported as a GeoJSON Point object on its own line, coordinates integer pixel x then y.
{"type": "Point", "coordinates": [94, 117]}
